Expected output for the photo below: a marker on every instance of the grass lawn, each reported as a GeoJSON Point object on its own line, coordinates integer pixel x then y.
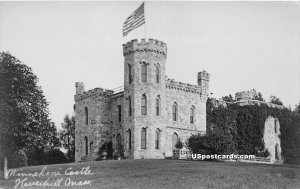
{"type": "Point", "coordinates": [159, 174]}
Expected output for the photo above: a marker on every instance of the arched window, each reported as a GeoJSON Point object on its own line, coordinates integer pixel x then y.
{"type": "Point", "coordinates": [192, 114]}
{"type": "Point", "coordinates": [129, 139]}
{"type": "Point", "coordinates": [129, 74]}
{"type": "Point", "coordinates": [157, 105]}
{"type": "Point", "coordinates": [118, 142]}
{"type": "Point", "coordinates": [174, 140]}
{"type": "Point", "coordinates": [143, 138]}
{"type": "Point", "coordinates": [174, 111]}
{"type": "Point", "coordinates": [129, 106]}
{"type": "Point", "coordinates": [144, 105]}
{"type": "Point", "coordinates": [144, 72]}
{"type": "Point", "coordinates": [86, 112]}
{"type": "Point", "coordinates": [157, 139]}
{"type": "Point", "coordinates": [157, 74]}
{"type": "Point", "coordinates": [86, 140]}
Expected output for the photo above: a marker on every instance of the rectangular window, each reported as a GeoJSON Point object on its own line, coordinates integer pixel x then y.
{"type": "Point", "coordinates": [191, 119]}
{"type": "Point", "coordinates": [130, 73]}
{"type": "Point", "coordinates": [192, 115]}
{"type": "Point", "coordinates": [129, 139]}
{"type": "Point", "coordinates": [174, 112]}
{"type": "Point", "coordinates": [157, 74]}
{"type": "Point", "coordinates": [129, 106]}
{"type": "Point", "coordinates": [157, 107]}
{"type": "Point", "coordinates": [143, 138]}
{"type": "Point", "coordinates": [157, 140]}
{"type": "Point", "coordinates": [144, 72]}
{"type": "Point", "coordinates": [119, 113]}
{"type": "Point", "coordinates": [144, 105]}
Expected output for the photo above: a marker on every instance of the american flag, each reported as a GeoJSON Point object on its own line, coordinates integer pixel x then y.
{"type": "Point", "coordinates": [135, 20]}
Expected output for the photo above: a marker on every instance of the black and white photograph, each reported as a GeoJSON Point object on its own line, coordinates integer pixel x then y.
{"type": "Point", "coordinates": [150, 94]}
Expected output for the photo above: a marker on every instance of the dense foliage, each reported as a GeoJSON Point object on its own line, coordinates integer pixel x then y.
{"type": "Point", "coordinates": [17, 159]}
{"type": "Point", "coordinates": [24, 115]}
{"type": "Point", "coordinates": [55, 156]}
{"type": "Point", "coordinates": [41, 157]}
{"type": "Point", "coordinates": [212, 143]}
{"type": "Point", "coordinates": [179, 144]}
{"type": "Point", "coordinates": [240, 129]}
{"type": "Point", "coordinates": [67, 136]}
{"type": "Point", "coordinates": [275, 100]}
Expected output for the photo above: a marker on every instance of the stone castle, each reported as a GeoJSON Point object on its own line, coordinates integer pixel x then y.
{"type": "Point", "coordinates": [148, 117]}
{"type": "Point", "coordinates": [151, 113]}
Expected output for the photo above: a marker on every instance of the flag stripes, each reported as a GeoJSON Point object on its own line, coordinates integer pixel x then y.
{"type": "Point", "coordinates": [134, 25]}
{"type": "Point", "coordinates": [135, 20]}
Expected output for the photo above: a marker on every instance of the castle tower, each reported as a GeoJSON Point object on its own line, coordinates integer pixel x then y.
{"type": "Point", "coordinates": [203, 82]}
{"type": "Point", "coordinates": [79, 87]}
{"type": "Point", "coordinates": [144, 86]}
{"type": "Point", "coordinates": [92, 121]}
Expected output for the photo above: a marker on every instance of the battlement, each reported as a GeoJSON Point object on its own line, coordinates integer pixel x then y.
{"type": "Point", "coordinates": [171, 84]}
{"type": "Point", "coordinates": [93, 93]}
{"type": "Point", "coordinates": [203, 75]}
{"type": "Point", "coordinates": [153, 45]}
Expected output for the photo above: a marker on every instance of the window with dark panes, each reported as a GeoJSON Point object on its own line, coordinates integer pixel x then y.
{"type": "Point", "coordinates": [143, 138]}
{"type": "Point", "coordinates": [144, 105]}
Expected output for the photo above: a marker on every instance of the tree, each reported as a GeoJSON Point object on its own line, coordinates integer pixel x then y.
{"type": "Point", "coordinates": [257, 95]}
{"type": "Point", "coordinates": [24, 114]}
{"type": "Point", "coordinates": [228, 98]}
{"type": "Point", "coordinates": [297, 109]}
{"type": "Point", "coordinates": [275, 100]}
{"type": "Point", "coordinates": [67, 136]}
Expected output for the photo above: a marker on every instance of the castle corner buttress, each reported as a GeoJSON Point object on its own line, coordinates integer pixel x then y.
{"type": "Point", "coordinates": [148, 116]}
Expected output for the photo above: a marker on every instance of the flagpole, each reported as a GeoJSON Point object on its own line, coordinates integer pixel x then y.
{"type": "Point", "coordinates": [145, 20]}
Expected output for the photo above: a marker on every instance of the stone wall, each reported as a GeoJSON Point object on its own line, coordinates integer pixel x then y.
{"type": "Point", "coordinates": [98, 129]}
{"type": "Point", "coordinates": [117, 126]}
{"type": "Point", "coordinates": [271, 138]}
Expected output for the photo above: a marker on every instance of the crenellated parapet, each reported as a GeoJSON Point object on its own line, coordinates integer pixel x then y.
{"type": "Point", "coordinates": [153, 45]}
{"type": "Point", "coordinates": [96, 92]}
{"type": "Point", "coordinates": [203, 76]}
{"type": "Point", "coordinates": [185, 87]}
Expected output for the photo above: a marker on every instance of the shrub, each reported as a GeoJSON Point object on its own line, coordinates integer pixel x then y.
{"type": "Point", "coordinates": [36, 156]}
{"type": "Point", "coordinates": [55, 156]}
{"type": "Point", "coordinates": [119, 153]}
{"type": "Point", "coordinates": [17, 159]}
{"type": "Point", "coordinates": [107, 146]}
{"type": "Point", "coordinates": [211, 143]}
{"type": "Point", "coordinates": [179, 144]}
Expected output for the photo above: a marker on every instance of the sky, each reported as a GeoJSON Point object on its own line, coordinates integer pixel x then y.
{"type": "Point", "coordinates": [243, 45]}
